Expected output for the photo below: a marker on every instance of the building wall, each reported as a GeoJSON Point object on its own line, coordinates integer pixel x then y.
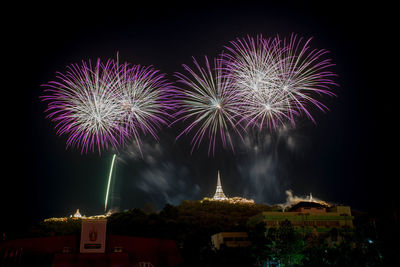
{"type": "Point", "coordinates": [341, 210]}
{"type": "Point", "coordinates": [160, 252]}
{"type": "Point", "coordinates": [322, 221]}
{"type": "Point", "coordinates": [311, 210]}
{"type": "Point", "coordinates": [230, 239]}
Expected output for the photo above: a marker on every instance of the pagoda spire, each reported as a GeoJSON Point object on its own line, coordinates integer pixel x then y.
{"type": "Point", "coordinates": [219, 193]}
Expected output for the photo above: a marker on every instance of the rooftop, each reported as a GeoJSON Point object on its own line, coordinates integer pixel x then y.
{"type": "Point", "coordinates": [307, 204]}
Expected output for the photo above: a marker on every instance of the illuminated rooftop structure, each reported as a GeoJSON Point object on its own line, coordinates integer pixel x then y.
{"type": "Point", "coordinates": [219, 194]}
{"type": "Point", "coordinates": [77, 214]}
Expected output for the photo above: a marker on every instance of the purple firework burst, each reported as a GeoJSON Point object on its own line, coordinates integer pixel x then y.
{"type": "Point", "coordinates": [279, 78]}
{"type": "Point", "coordinates": [106, 104]}
{"type": "Point", "coordinates": [145, 98]}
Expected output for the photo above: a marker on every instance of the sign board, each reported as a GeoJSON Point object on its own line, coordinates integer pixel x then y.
{"type": "Point", "coordinates": [93, 236]}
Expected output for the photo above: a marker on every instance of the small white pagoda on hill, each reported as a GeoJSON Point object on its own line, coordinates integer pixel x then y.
{"type": "Point", "coordinates": [220, 196]}
{"type": "Point", "coordinates": [219, 193]}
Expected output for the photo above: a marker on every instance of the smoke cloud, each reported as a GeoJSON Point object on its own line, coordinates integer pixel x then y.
{"type": "Point", "coordinates": [264, 162]}
{"type": "Point", "coordinates": [156, 175]}
{"type": "Point", "coordinates": [259, 169]}
{"type": "Point", "coordinates": [292, 199]}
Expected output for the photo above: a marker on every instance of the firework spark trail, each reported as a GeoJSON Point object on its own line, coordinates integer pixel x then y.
{"type": "Point", "coordinates": [209, 103]}
{"type": "Point", "coordinates": [109, 182]}
{"type": "Point", "coordinates": [279, 78]}
{"type": "Point", "coordinates": [106, 104]}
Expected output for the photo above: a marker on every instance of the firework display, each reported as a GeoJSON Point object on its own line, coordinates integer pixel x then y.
{"type": "Point", "coordinates": [279, 79]}
{"type": "Point", "coordinates": [210, 105]}
{"type": "Point", "coordinates": [256, 83]}
{"type": "Point", "coordinates": [144, 97]}
{"type": "Point", "coordinates": [106, 104]}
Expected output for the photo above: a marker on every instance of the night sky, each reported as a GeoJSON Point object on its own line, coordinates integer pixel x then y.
{"type": "Point", "coordinates": [346, 157]}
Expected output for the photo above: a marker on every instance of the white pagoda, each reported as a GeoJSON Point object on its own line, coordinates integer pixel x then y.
{"type": "Point", "coordinates": [77, 214]}
{"type": "Point", "coordinates": [219, 194]}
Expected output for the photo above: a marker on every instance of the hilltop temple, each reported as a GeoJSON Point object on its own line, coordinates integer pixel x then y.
{"type": "Point", "coordinates": [219, 193]}
{"type": "Point", "coordinates": [220, 196]}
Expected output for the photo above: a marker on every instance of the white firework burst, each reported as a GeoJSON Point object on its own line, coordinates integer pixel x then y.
{"type": "Point", "coordinates": [107, 104]}
{"type": "Point", "coordinates": [143, 96]}
{"type": "Point", "coordinates": [209, 103]}
{"type": "Point", "coordinates": [83, 105]}
{"type": "Point", "coordinates": [279, 78]}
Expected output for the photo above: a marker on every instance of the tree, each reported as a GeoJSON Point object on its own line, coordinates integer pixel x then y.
{"type": "Point", "coordinates": [280, 244]}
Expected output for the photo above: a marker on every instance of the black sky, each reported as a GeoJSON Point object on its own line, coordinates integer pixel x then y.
{"type": "Point", "coordinates": [345, 158]}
